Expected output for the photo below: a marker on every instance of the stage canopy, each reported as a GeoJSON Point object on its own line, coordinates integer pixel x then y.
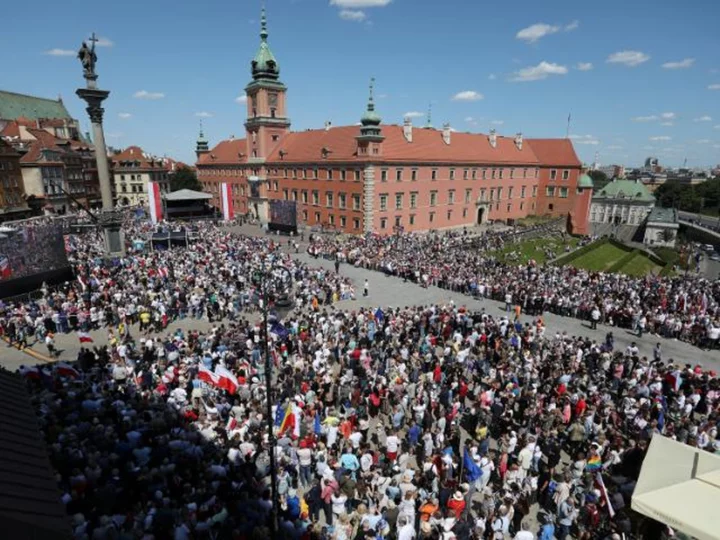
{"type": "Point", "coordinates": [187, 195]}
{"type": "Point", "coordinates": [679, 485]}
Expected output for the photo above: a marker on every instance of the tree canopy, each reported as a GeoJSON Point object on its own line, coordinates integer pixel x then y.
{"type": "Point", "coordinates": [184, 178]}
{"type": "Point", "coordinates": [599, 179]}
{"type": "Point", "coordinates": [704, 197]}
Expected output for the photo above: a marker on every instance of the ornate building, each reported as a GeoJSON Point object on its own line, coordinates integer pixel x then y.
{"type": "Point", "coordinates": [132, 169]}
{"type": "Point", "coordinates": [12, 191]}
{"type": "Point", "coordinates": [379, 177]}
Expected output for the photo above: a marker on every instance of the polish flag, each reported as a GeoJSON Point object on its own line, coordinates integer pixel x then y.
{"type": "Point", "coordinates": [204, 374]}
{"type": "Point", "coordinates": [66, 370]}
{"type": "Point", "coordinates": [603, 491]}
{"type": "Point", "coordinates": [84, 337]}
{"type": "Point", "coordinates": [227, 202]}
{"type": "Point", "coordinates": [232, 424]}
{"type": "Point", "coordinates": [30, 372]}
{"type": "Point", "coordinates": [155, 202]}
{"type": "Point", "coordinates": [227, 381]}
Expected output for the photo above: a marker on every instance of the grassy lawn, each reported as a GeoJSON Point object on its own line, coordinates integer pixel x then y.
{"type": "Point", "coordinates": [639, 266]}
{"type": "Point", "coordinates": [599, 259]}
{"type": "Point", "coordinates": [540, 249]}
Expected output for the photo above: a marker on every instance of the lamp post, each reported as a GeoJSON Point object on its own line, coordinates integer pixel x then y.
{"type": "Point", "coordinates": [265, 279]}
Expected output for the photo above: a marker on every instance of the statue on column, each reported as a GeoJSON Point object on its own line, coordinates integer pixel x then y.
{"type": "Point", "coordinates": [88, 58]}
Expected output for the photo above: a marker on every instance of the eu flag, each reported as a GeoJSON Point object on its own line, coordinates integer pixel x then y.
{"type": "Point", "coordinates": [472, 471]}
{"type": "Point", "coordinates": [318, 429]}
{"type": "Point", "coordinates": [279, 415]}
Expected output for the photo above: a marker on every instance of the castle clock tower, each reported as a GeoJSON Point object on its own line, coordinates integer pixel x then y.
{"type": "Point", "coordinates": [267, 119]}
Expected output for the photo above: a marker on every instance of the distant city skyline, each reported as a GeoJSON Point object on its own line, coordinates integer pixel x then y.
{"type": "Point", "coordinates": [637, 80]}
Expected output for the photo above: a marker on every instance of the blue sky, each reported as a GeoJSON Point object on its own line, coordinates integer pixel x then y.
{"type": "Point", "coordinates": [639, 78]}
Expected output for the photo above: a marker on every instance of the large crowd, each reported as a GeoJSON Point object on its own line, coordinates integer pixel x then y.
{"type": "Point", "coordinates": [428, 422]}
{"type": "Point", "coordinates": [685, 307]}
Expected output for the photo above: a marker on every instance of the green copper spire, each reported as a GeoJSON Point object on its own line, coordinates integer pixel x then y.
{"type": "Point", "coordinates": [264, 66]}
{"type": "Point", "coordinates": [429, 116]}
{"type": "Point", "coordinates": [370, 121]}
{"type": "Point", "coordinates": [371, 118]}
{"type": "Point", "coordinates": [202, 143]}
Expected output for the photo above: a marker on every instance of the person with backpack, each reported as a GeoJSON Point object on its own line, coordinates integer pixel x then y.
{"type": "Point", "coordinates": [501, 523]}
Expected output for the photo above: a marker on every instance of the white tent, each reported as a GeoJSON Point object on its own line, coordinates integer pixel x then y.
{"type": "Point", "coordinates": [680, 486]}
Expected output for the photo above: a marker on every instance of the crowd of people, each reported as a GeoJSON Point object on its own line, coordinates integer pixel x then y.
{"type": "Point", "coordinates": [429, 422]}
{"type": "Point", "coordinates": [685, 307]}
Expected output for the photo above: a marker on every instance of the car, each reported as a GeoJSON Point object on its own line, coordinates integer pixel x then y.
{"type": "Point", "coordinates": [715, 257]}
{"type": "Point", "coordinates": [709, 248]}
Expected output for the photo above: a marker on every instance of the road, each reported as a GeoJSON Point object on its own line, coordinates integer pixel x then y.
{"type": "Point", "coordinates": [706, 221]}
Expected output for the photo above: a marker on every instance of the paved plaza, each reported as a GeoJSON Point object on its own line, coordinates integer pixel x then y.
{"type": "Point", "coordinates": [390, 291]}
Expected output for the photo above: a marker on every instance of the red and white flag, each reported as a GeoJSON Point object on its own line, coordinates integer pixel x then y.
{"type": "Point", "coordinates": [66, 370]}
{"type": "Point", "coordinates": [205, 375]}
{"type": "Point", "coordinates": [155, 202]}
{"type": "Point", "coordinates": [30, 372]}
{"type": "Point", "coordinates": [228, 208]}
{"type": "Point", "coordinates": [84, 337]}
{"type": "Point", "coordinates": [603, 491]}
{"type": "Point", "coordinates": [232, 424]}
{"type": "Point", "coordinates": [227, 380]}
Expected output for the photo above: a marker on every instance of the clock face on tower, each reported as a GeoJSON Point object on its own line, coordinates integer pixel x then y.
{"type": "Point", "coordinates": [272, 99]}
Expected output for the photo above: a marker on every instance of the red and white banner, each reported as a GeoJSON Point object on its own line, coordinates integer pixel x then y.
{"type": "Point", "coordinates": [204, 374]}
{"type": "Point", "coordinates": [155, 202]}
{"type": "Point", "coordinates": [84, 337]}
{"type": "Point", "coordinates": [226, 200]}
{"type": "Point", "coordinates": [226, 379]}
{"type": "Point", "coordinates": [66, 370]}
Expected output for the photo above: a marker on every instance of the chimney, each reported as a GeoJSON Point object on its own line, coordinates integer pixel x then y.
{"type": "Point", "coordinates": [328, 125]}
{"type": "Point", "coordinates": [492, 138]}
{"type": "Point", "coordinates": [446, 133]}
{"type": "Point", "coordinates": [407, 129]}
{"type": "Point", "coordinates": [518, 140]}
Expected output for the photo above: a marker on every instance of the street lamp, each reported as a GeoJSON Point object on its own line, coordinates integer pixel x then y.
{"type": "Point", "coordinates": [272, 276]}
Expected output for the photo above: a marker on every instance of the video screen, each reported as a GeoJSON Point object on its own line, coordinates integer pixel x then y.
{"type": "Point", "coordinates": [283, 213]}
{"type": "Point", "coordinates": [31, 248]}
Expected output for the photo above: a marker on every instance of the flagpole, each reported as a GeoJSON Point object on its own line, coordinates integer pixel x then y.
{"type": "Point", "coordinates": [567, 131]}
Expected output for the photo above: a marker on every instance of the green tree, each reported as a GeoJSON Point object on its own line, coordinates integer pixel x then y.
{"type": "Point", "coordinates": [599, 179]}
{"type": "Point", "coordinates": [184, 178]}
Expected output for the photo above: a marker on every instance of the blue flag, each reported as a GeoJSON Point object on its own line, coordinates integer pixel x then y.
{"type": "Point", "coordinates": [379, 315]}
{"type": "Point", "coordinates": [318, 428]}
{"type": "Point", "coordinates": [279, 329]}
{"type": "Point", "coordinates": [472, 471]}
{"type": "Point", "coordinates": [279, 414]}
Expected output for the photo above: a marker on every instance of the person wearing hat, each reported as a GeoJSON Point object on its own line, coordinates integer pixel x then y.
{"type": "Point", "coordinates": [457, 504]}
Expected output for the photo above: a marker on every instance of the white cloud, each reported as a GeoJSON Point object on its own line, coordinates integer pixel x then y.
{"type": "Point", "coordinates": [537, 31]}
{"type": "Point", "coordinates": [203, 114]}
{"type": "Point", "coordinates": [668, 116]}
{"type": "Point", "coordinates": [497, 122]}
{"type": "Point", "coordinates": [413, 114]}
{"type": "Point", "coordinates": [585, 139]}
{"type": "Point", "coordinates": [705, 118]}
{"type": "Point", "coordinates": [614, 147]}
{"type": "Point", "coordinates": [492, 77]}
{"type": "Point", "coordinates": [124, 115]}
{"type": "Point", "coordinates": [359, 3]}
{"type": "Point", "coordinates": [468, 95]}
{"type": "Point", "coordinates": [650, 118]}
{"type": "Point", "coordinates": [648, 147]}
{"type": "Point", "coordinates": [103, 42]}
{"type": "Point", "coordinates": [661, 138]}
{"type": "Point", "coordinates": [666, 124]}
{"type": "Point", "coordinates": [703, 141]}
{"type": "Point", "coordinates": [572, 26]}
{"type": "Point", "coordinates": [469, 119]}
{"type": "Point", "coordinates": [60, 52]}
{"type": "Point", "coordinates": [716, 145]}
{"type": "Point", "coordinates": [383, 96]}
{"type": "Point", "coordinates": [539, 72]}
{"type": "Point", "coordinates": [628, 58]}
{"type": "Point", "coordinates": [714, 87]}
{"type": "Point", "coordinates": [584, 66]}
{"type": "Point", "coordinates": [680, 64]}
{"type": "Point", "coordinates": [241, 99]}
{"type": "Point", "coordinates": [352, 15]}
{"type": "Point", "coordinates": [144, 94]}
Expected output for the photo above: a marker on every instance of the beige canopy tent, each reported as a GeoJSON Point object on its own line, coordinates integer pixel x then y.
{"type": "Point", "coordinates": [680, 486]}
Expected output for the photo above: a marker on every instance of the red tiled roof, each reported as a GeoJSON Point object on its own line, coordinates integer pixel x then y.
{"type": "Point", "coordinates": [11, 129]}
{"type": "Point", "coordinates": [226, 153]}
{"type": "Point", "coordinates": [555, 151]}
{"type": "Point", "coordinates": [145, 160]}
{"type": "Point", "coordinates": [427, 146]}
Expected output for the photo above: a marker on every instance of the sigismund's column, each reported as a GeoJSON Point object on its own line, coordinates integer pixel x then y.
{"type": "Point", "coordinates": [110, 219]}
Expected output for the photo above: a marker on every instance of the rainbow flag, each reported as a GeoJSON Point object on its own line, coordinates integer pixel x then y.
{"type": "Point", "coordinates": [594, 463]}
{"type": "Point", "coordinates": [288, 422]}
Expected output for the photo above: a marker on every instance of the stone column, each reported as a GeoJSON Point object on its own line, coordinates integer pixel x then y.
{"type": "Point", "coordinates": [110, 220]}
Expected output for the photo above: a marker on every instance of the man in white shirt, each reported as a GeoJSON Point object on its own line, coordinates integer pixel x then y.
{"type": "Point", "coordinates": [406, 531]}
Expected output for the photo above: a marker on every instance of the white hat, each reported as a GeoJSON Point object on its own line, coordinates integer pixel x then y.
{"type": "Point", "coordinates": [458, 496]}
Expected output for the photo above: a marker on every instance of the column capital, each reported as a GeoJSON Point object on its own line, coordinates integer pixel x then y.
{"type": "Point", "coordinates": [94, 98]}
